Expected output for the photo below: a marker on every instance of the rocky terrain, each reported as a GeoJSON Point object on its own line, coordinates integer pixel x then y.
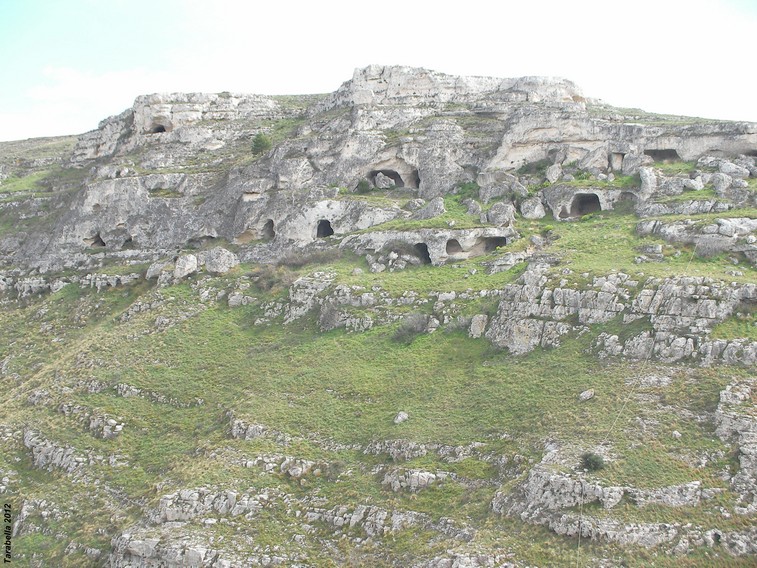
{"type": "Point", "coordinates": [424, 320]}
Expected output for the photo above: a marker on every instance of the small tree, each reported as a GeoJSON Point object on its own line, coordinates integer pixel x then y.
{"type": "Point", "coordinates": [592, 462]}
{"type": "Point", "coordinates": [260, 144]}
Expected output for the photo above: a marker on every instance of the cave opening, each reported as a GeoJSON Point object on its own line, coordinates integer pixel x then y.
{"type": "Point", "coordinates": [421, 249]}
{"type": "Point", "coordinates": [95, 242]}
{"type": "Point", "coordinates": [324, 229]}
{"type": "Point", "coordinates": [584, 203]}
{"type": "Point", "coordinates": [157, 129]}
{"type": "Point", "coordinates": [268, 231]}
{"type": "Point", "coordinates": [454, 247]}
{"type": "Point", "coordinates": [493, 243]}
{"type": "Point", "coordinates": [666, 155]}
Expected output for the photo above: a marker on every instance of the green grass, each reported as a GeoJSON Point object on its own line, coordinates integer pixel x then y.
{"type": "Point", "coordinates": [24, 184]}
{"type": "Point", "coordinates": [702, 194]}
{"type": "Point", "coordinates": [739, 326]}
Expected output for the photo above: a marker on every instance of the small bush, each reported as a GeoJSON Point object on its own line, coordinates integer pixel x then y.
{"type": "Point", "coordinates": [592, 462]}
{"type": "Point", "coordinates": [260, 144]}
{"type": "Point", "coordinates": [411, 326]}
{"type": "Point", "coordinates": [363, 186]}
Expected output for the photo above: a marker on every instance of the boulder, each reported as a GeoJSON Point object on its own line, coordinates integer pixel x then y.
{"type": "Point", "coordinates": [478, 325]}
{"type": "Point", "coordinates": [185, 265]}
{"type": "Point", "coordinates": [432, 209]}
{"type": "Point", "coordinates": [554, 173]}
{"type": "Point", "coordinates": [383, 182]}
{"type": "Point", "coordinates": [532, 208]}
{"type": "Point", "coordinates": [501, 214]}
{"type": "Point", "coordinates": [401, 417]}
{"type": "Point", "coordinates": [219, 261]}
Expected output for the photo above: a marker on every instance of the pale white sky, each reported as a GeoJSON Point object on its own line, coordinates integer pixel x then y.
{"type": "Point", "coordinates": [67, 65]}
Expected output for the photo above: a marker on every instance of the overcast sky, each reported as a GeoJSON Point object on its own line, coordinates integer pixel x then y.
{"type": "Point", "coordinates": [68, 64]}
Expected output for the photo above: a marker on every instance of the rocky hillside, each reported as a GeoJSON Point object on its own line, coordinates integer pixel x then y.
{"type": "Point", "coordinates": [425, 320]}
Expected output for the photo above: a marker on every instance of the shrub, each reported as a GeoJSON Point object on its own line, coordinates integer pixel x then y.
{"type": "Point", "coordinates": [592, 462]}
{"type": "Point", "coordinates": [260, 144]}
{"type": "Point", "coordinates": [363, 186]}
{"type": "Point", "coordinates": [410, 326]}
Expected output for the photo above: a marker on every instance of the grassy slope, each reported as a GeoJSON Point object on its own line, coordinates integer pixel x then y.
{"type": "Point", "coordinates": [341, 387]}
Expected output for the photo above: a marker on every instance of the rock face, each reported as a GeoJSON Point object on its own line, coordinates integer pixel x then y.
{"type": "Point", "coordinates": [678, 314]}
{"type": "Point", "coordinates": [389, 128]}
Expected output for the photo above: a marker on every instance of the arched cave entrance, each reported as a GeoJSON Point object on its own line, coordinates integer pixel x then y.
{"type": "Point", "coordinates": [453, 247]}
{"type": "Point", "coordinates": [583, 204]}
{"type": "Point", "coordinates": [667, 155]}
{"type": "Point", "coordinates": [268, 232]}
{"type": "Point", "coordinates": [421, 250]}
{"type": "Point", "coordinates": [324, 229]}
{"type": "Point", "coordinates": [157, 129]}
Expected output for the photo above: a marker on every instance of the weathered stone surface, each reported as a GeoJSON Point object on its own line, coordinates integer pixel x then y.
{"type": "Point", "coordinates": [185, 266]}
{"type": "Point", "coordinates": [219, 260]}
{"type": "Point", "coordinates": [478, 325]}
{"type": "Point", "coordinates": [501, 214]}
{"type": "Point", "coordinates": [680, 311]}
{"type": "Point", "coordinates": [532, 208]}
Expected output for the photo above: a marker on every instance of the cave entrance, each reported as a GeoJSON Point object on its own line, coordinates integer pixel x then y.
{"type": "Point", "coordinates": [421, 249]}
{"type": "Point", "coordinates": [485, 245]}
{"type": "Point", "coordinates": [493, 243]}
{"type": "Point", "coordinates": [453, 247]}
{"type": "Point", "coordinates": [324, 229]}
{"type": "Point", "coordinates": [583, 204]}
{"type": "Point", "coordinates": [157, 129]}
{"type": "Point", "coordinates": [381, 183]}
{"type": "Point", "coordinates": [95, 242]}
{"type": "Point", "coordinates": [268, 231]}
{"type": "Point", "coordinates": [667, 155]}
